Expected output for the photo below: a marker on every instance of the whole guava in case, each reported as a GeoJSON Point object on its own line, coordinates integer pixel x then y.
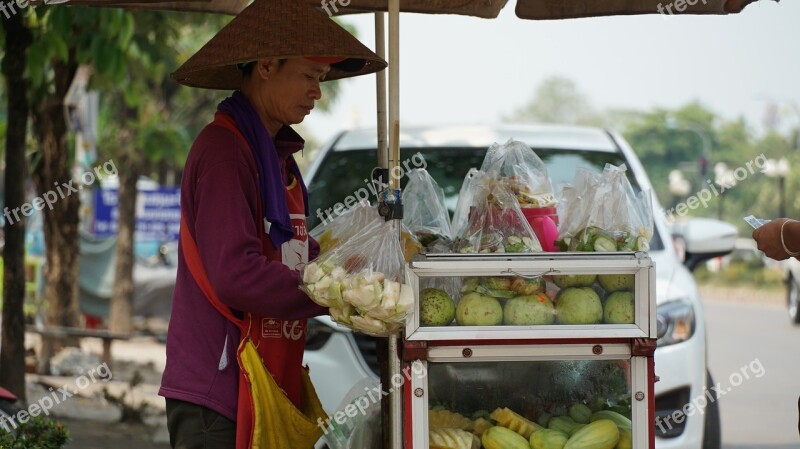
{"type": "Point", "coordinates": [619, 308]}
{"type": "Point", "coordinates": [475, 309]}
{"type": "Point", "coordinates": [436, 307]}
{"type": "Point", "coordinates": [578, 305]}
{"type": "Point", "coordinates": [529, 310]}
{"type": "Point", "coordinates": [574, 280]}
{"type": "Point", "coordinates": [616, 282]}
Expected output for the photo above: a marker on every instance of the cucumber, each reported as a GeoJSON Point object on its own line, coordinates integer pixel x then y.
{"type": "Point", "coordinates": [604, 244]}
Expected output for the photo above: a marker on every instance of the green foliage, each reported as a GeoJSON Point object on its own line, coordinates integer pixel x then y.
{"type": "Point", "coordinates": [36, 433]}
{"type": "Point", "coordinates": [557, 100]}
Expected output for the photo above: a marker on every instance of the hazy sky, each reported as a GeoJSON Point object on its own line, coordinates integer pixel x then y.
{"type": "Point", "coordinates": [457, 69]}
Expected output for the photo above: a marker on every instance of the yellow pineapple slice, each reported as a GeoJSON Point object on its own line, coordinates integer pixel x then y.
{"type": "Point", "coordinates": [480, 425]}
{"type": "Point", "coordinates": [511, 420]}
{"type": "Point", "coordinates": [448, 419]}
{"type": "Point", "coordinates": [452, 439]}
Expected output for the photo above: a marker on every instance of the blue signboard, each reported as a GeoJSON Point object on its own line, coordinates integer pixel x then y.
{"type": "Point", "coordinates": [158, 214]}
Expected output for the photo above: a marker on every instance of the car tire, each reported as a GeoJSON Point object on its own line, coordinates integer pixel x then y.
{"type": "Point", "coordinates": [712, 432]}
{"type": "Point", "coordinates": [793, 300]}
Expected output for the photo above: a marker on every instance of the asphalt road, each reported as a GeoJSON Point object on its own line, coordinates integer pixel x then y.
{"type": "Point", "coordinates": [755, 359]}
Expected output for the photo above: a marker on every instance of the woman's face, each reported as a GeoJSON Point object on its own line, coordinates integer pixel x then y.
{"type": "Point", "coordinates": [290, 89]}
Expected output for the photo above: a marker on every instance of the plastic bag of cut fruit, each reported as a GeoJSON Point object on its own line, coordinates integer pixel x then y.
{"type": "Point", "coordinates": [331, 233]}
{"type": "Point", "coordinates": [465, 199]}
{"type": "Point", "coordinates": [424, 212]}
{"type": "Point", "coordinates": [516, 164]}
{"type": "Point", "coordinates": [362, 281]}
{"type": "Point", "coordinates": [495, 222]}
{"type": "Point", "coordinates": [602, 213]}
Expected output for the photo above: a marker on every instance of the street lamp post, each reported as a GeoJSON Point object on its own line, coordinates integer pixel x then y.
{"type": "Point", "coordinates": [779, 169]}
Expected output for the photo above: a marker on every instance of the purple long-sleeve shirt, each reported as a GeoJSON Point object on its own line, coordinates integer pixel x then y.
{"type": "Point", "coordinates": [219, 200]}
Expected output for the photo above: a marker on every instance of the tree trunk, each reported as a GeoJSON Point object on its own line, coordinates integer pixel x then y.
{"type": "Point", "coordinates": [61, 236]}
{"type": "Point", "coordinates": [12, 355]}
{"type": "Point", "coordinates": [121, 315]}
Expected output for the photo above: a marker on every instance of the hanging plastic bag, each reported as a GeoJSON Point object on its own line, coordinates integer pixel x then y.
{"type": "Point", "coordinates": [424, 211]}
{"type": "Point", "coordinates": [362, 281]}
{"type": "Point", "coordinates": [460, 219]}
{"type": "Point", "coordinates": [523, 171]}
{"type": "Point", "coordinates": [602, 213]}
{"type": "Point", "coordinates": [495, 223]}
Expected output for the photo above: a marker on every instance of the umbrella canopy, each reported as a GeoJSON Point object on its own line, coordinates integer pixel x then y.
{"type": "Point", "coordinates": [541, 9]}
{"type": "Point", "coordinates": [231, 7]}
{"type": "Point", "coordinates": [525, 9]}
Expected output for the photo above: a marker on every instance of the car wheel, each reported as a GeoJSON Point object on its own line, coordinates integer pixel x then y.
{"type": "Point", "coordinates": [792, 297]}
{"type": "Point", "coordinates": [712, 434]}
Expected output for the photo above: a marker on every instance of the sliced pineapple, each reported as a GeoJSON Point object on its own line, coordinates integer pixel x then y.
{"type": "Point", "coordinates": [448, 419]}
{"type": "Point", "coordinates": [452, 439]}
{"type": "Point", "coordinates": [480, 425]}
{"type": "Point", "coordinates": [511, 420]}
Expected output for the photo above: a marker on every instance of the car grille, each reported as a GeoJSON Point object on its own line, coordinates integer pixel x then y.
{"type": "Point", "coordinates": [667, 425]}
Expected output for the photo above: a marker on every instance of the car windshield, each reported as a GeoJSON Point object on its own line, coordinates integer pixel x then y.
{"type": "Point", "coordinates": [342, 173]}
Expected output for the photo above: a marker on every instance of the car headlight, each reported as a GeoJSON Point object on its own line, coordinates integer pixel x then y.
{"type": "Point", "coordinates": [675, 322]}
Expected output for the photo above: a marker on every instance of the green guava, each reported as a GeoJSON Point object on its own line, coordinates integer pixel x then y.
{"type": "Point", "coordinates": [475, 309]}
{"type": "Point", "coordinates": [616, 282]}
{"type": "Point", "coordinates": [578, 305]}
{"type": "Point", "coordinates": [529, 310]}
{"type": "Point", "coordinates": [619, 308]}
{"type": "Point", "coordinates": [574, 280]}
{"type": "Point", "coordinates": [436, 307]}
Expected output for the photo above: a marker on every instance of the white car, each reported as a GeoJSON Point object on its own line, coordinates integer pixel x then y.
{"type": "Point", "coordinates": [339, 358]}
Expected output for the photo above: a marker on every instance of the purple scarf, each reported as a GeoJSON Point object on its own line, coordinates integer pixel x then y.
{"type": "Point", "coordinates": [273, 191]}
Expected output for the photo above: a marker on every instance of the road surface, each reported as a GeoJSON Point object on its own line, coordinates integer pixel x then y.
{"type": "Point", "coordinates": [754, 356]}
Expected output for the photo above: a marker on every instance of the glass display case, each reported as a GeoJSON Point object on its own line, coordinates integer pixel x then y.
{"type": "Point", "coordinates": [531, 296]}
{"type": "Point", "coordinates": [462, 391]}
{"type": "Point", "coordinates": [550, 346]}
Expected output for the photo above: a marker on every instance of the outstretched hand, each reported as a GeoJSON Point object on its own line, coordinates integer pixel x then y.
{"type": "Point", "coordinates": [768, 238]}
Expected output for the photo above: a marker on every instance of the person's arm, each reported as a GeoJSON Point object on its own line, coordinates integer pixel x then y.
{"type": "Point", "coordinates": [230, 248]}
{"type": "Point", "coordinates": [768, 238]}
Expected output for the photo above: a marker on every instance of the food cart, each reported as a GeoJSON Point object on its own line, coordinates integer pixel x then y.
{"type": "Point", "coordinates": [522, 376]}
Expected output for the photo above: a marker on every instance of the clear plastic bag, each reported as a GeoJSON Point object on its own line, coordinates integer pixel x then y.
{"type": "Point", "coordinates": [516, 164]}
{"type": "Point", "coordinates": [460, 219]}
{"type": "Point", "coordinates": [424, 212]}
{"type": "Point", "coordinates": [602, 213]}
{"type": "Point", "coordinates": [495, 223]}
{"type": "Point", "coordinates": [362, 281]}
{"type": "Point", "coordinates": [332, 233]}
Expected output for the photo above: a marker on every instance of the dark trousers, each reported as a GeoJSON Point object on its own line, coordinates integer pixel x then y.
{"type": "Point", "coordinates": [194, 427]}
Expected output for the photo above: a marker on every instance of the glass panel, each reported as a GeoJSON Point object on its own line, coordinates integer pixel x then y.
{"type": "Point", "coordinates": [526, 301]}
{"type": "Point", "coordinates": [526, 395]}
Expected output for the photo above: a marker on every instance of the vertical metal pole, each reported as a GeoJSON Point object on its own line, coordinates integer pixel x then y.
{"type": "Point", "coordinates": [396, 397]}
{"type": "Point", "coordinates": [380, 80]}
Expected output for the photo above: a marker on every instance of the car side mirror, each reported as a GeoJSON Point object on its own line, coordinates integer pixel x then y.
{"type": "Point", "coordinates": [700, 239]}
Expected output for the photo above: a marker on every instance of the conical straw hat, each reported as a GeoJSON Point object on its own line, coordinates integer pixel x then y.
{"type": "Point", "coordinates": [275, 29]}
